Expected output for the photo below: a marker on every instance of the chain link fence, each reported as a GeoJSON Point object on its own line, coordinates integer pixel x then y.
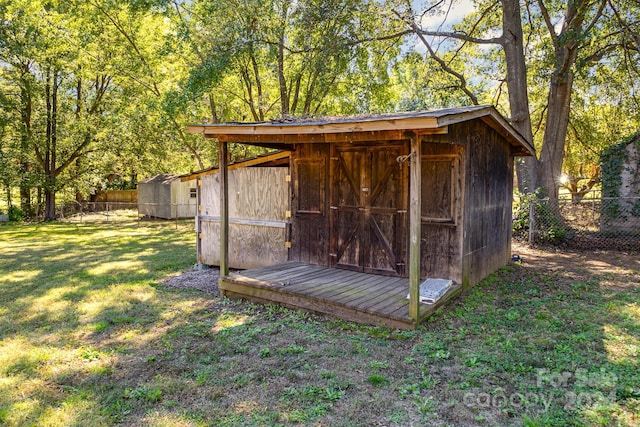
{"type": "Point", "coordinates": [120, 213]}
{"type": "Point", "coordinates": [589, 222]}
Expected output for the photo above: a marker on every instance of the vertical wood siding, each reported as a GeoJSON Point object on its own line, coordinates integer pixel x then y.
{"type": "Point", "coordinates": [258, 200]}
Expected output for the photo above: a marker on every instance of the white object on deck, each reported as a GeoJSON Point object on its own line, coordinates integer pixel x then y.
{"type": "Point", "coordinates": [431, 290]}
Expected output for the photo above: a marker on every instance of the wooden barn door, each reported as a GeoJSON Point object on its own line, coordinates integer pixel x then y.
{"type": "Point", "coordinates": [369, 209]}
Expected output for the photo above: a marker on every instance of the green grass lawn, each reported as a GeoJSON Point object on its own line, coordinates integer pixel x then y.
{"type": "Point", "coordinates": [89, 336]}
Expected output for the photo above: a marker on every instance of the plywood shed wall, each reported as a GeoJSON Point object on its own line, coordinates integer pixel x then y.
{"type": "Point", "coordinates": [258, 201]}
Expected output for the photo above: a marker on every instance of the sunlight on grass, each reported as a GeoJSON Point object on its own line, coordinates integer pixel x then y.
{"type": "Point", "coordinates": [160, 419]}
{"type": "Point", "coordinates": [51, 303]}
{"type": "Point", "coordinates": [246, 407]}
{"type": "Point", "coordinates": [133, 265]}
{"type": "Point", "coordinates": [18, 276]}
{"type": "Point", "coordinates": [21, 357]}
{"type": "Point", "coordinates": [179, 309]}
{"type": "Point", "coordinates": [632, 312]}
{"type": "Point", "coordinates": [21, 411]}
{"type": "Point", "coordinates": [76, 410]}
{"type": "Point", "coordinates": [226, 321]}
{"type": "Point", "coordinates": [621, 346]}
{"type": "Point", "coordinates": [113, 297]}
{"type": "Point", "coordinates": [93, 338]}
{"type": "Point", "coordinates": [78, 299]}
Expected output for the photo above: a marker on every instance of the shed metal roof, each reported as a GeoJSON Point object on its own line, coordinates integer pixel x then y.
{"type": "Point", "coordinates": [364, 127]}
{"type": "Point", "coordinates": [163, 178]}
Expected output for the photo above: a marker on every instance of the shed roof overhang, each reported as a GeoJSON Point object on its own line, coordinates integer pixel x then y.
{"type": "Point", "coordinates": [384, 127]}
{"type": "Point", "coordinates": [278, 158]}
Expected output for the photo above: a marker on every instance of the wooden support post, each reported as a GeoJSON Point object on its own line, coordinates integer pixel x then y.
{"type": "Point", "coordinates": [224, 209]}
{"type": "Point", "coordinates": [415, 225]}
{"type": "Point", "coordinates": [198, 221]}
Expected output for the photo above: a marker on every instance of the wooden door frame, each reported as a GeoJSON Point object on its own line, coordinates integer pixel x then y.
{"type": "Point", "coordinates": [365, 217]}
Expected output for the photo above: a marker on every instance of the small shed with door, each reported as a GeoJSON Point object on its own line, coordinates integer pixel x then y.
{"type": "Point", "coordinates": [167, 196]}
{"type": "Point", "coordinates": [258, 205]}
{"type": "Point", "coordinates": [379, 205]}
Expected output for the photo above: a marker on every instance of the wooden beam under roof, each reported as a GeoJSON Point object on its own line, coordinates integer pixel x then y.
{"type": "Point", "coordinates": [319, 127]}
{"type": "Point", "coordinates": [242, 164]}
{"type": "Point", "coordinates": [348, 137]}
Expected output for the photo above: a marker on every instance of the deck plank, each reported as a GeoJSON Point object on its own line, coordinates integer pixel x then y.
{"type": "Point", "coordinates": [389, 293]}
{"type": "Point", "coordinates": [290, 277]}
{"type": "Point", "coordinates": [307, 278]}
{"type": "Point", "coordinates": [343, 281]}
{"type": "Point", "coordinates": [308, 284]}
{"type": "Point", "coordinates": [350, 295]}
{"type": "Point", "coordinates": [339, 290]}
{"type": "Point", "coordinates": [270, 268]}
{"type": "Point", "coordinates": [385, 286]}
{"type": "Point", "coordinates": [278, 275]}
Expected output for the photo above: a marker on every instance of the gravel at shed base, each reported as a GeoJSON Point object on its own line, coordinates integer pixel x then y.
{"type": "Point", "coordinates": [205, 279]}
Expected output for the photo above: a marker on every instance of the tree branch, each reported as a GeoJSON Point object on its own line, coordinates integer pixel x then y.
{"type": "Point", "coordinates": [547, 20]}
{"type": "Point", "coordinates": [133, 44]}
{"type": "Point", "coordinates": [596, 17]}
{"type": "Point", "coordinates": [461, 36]}
{"type": "Point", "coordinates": [634, 34]}
{"type": "Point", "coordinates": [463, 82]}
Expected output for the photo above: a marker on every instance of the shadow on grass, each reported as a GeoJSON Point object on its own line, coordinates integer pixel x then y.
{"type": "Point", "coordinates": [73, 299]}
{"type": "Point", "coordinates": [550, 342]}
{"type": "Point", "coordinates": [88, 338]}
{"type": "Point", "coordinates": [45, 266]}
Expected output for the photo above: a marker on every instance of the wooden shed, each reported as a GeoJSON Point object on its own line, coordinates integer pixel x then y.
{"type": "Point", "coordinates": [257, 212]}
{"type": "Point", "coordinates": [166, 196]}
{"type": "Point", "coordinates": [379, 205]}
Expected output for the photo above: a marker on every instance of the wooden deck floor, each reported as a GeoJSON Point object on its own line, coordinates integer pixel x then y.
{"type": "Point", "coordinates": [349, 295]}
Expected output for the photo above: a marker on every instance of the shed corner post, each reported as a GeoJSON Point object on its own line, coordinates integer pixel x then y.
{"type": "Point", "coordinates": [415, 225]}
{"type": "Point", "coordinates": [198, 222]}
{"type": "Point", "coordinates": [224, 209]}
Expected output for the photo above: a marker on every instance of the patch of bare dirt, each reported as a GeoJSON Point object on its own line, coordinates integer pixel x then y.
{"type": "Point", "coordinates": [203, 279]}
{"type": "Point", "coordinates": [612, 269]}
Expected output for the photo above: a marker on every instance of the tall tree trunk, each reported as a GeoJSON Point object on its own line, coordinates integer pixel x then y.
{"type": "Point", "coordinates": [282, 81]}
{"type": "Point", "coordinates": [566, 45]}
{"type": "Point", "coordinates": [513, 45]}
{"type": "Point", "coordinates": [78, 166]}
{"type": "Point", "coordinates": [555, 132]}
{"type": "Point", "coordinates": [25, 143]}
{"type": "Point", "coordinates": [78, 170]}
{"type": "Point", "coordinates": [50, 158]}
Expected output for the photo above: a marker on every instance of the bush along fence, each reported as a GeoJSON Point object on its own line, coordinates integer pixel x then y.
{"type": "Point", "coordinates": [582, 223]}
